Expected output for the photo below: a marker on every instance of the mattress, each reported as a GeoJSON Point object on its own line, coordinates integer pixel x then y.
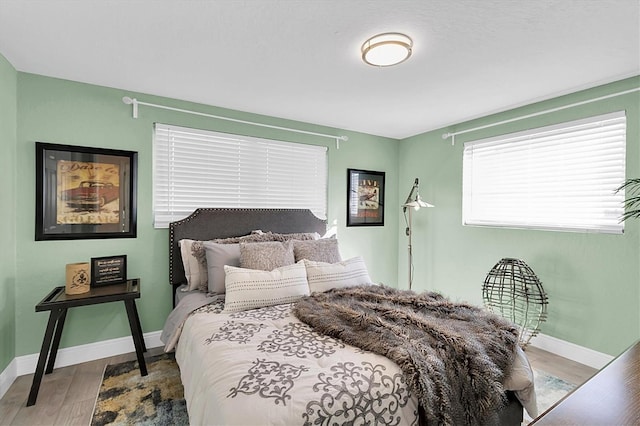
{"type": "Point", "coordinates": [181, 292]}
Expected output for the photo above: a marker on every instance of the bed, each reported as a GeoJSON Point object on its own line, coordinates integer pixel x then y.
{"type": "Point", "coordinates": [249, 364]}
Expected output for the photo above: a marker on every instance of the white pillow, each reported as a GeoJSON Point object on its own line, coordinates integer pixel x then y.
{"type": "Point", "coordinates": [251, 288]}
{"type": "Point", "coordinates": [325, 276]}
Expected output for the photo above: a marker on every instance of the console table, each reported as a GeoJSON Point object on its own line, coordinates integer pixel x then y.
{"type": "Point", "coordinates": [57, 301]}
{"type": "Point", "coordinates": [611, 397]}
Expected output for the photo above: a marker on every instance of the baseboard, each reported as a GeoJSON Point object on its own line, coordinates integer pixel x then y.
{"type": "Point", "coordinates": [571, 351]}
{"type": "Point", "coordinates": [26, 364]}
{"type": "Point", "coordinates": [7, 377]}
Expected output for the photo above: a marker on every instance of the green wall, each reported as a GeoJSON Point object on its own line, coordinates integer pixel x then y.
{"type": "Point", "coordinates": [8, 105]}
{"type": "Point", "coordinates": [593, 280]}
{"type": "Point", "coordinates": [65, 112]}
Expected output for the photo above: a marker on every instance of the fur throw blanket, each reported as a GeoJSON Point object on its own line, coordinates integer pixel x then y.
{"type": "Point", "coordinates": [454, 356]}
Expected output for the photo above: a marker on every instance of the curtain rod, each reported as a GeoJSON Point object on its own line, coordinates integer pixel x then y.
{"type": "Point", "coordinates": [133, 101]}
{"type": "Point", "coordinates": [535, 114]}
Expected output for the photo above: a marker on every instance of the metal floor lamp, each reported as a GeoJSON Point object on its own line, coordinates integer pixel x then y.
{"type": "Point", "coordinates": [414, 202]}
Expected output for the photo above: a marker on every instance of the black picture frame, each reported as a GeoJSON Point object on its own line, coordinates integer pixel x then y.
{"type": "Point", "coordinates": [365, 198]}
{"type": "Point", "coordinates": [108, 270]}
{"type": "Point", "coordinates": [84, 193]}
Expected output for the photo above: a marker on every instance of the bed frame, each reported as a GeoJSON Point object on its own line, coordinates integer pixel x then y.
{"type": "Point", "coordinates": [209, 223]}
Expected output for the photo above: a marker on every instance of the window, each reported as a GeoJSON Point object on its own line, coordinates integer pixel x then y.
{"type": "Point", "coordinates": [197, 168]}
{"type": "Point", "coordinates": [560, 177]}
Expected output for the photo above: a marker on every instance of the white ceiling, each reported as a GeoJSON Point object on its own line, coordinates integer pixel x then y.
{"type": "Point", "coordinates": [300, 59]}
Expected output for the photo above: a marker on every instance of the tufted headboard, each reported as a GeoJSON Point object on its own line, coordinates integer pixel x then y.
{"type": "Point", "coordinates": [209, 223]}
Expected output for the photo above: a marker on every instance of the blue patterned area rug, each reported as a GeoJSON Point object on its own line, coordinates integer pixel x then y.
{"type": "Point", "coordinates": [549, 390]}
{"type": "Point", "coordinates": [126, 398]}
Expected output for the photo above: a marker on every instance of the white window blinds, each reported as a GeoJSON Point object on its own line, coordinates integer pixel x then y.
{"type": "Point", "coordinates": [560, 177]}
{"type": "Point", "coordinates": [197, 168]}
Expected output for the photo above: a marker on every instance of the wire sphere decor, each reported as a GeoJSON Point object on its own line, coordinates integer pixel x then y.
{"type": "Point", "coordinates": [512, 290]}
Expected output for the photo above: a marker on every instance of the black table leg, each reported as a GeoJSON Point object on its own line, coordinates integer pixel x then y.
{"type": "Point", "coordinates": [42, 359]}
{"type": "Point", "coordinates": [135, 311]}
{"type": "Point", "coordinates": [138, 341]}
{"type": "Point", "coordinates": [56, 341]}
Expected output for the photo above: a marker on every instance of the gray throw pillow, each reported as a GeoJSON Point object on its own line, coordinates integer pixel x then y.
{"type": "Point", "coordinates": [295, 236]}
{"type": "Point", "coordinates": [251, 238]}
{"type": "Point", "coordinates": [323, 250]}
{"type": "Point", "coordinates": [266, 256]}
{"type": "Point", "coordinates": [219, 255]}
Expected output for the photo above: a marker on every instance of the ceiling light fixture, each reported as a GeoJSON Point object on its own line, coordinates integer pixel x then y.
{"type": "Point", "coordinates": [387, 49]}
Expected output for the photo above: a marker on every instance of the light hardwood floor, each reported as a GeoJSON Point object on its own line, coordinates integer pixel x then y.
{"type": "Point", "coordinates": [67, 395]}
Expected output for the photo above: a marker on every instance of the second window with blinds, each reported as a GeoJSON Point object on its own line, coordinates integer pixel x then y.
{"type": "Point", "coordinates": [562, 177]}
{"type": "Point", "coordinates": [198, 168]}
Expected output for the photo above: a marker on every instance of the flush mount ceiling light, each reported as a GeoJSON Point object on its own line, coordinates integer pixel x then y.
{"type": "Point", "coordinates": [387, 49]}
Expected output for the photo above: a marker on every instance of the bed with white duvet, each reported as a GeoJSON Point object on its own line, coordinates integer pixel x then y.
{"type": "Point", "coordinates": [247, 358]}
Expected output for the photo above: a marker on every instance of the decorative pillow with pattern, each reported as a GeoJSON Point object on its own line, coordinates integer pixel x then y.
{"type": "Point", "coordinates": [325, 276]}
{"type": "Point", "coordinates": [195, 264]}
{"type": "Point", "coordinates": [250, 289]}
{"type": "Point", "coordinates": [323, 250]}
{"type": "Point", "coordinates": [266, 256]}
{"type": "Point", "coordinates": [217, 256]}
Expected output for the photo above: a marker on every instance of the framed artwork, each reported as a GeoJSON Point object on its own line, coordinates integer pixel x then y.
{"type": "Point", "coordinates": [85, 192]}
{"type": "Point", "coordinates": [365, 198]}
{"type": "Point", "coordinates": [108, 270]}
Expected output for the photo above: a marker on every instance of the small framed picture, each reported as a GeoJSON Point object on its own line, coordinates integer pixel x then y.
{"type": "Point", "coordinates": [108, 270]}
{"type": "Point", "coordinates": [365, 198]}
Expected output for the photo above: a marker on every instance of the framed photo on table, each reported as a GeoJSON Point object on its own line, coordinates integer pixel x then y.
{"type": "Point", "coordinates": [108, 270]}
{"type": "Point", "coordinates": [84, 192]}
{"type": "Point", "coordinates": [365, 198]}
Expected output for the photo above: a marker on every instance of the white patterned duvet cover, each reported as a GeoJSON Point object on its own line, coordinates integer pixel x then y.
{"type": "Point", "coordinates": [265, 367]}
